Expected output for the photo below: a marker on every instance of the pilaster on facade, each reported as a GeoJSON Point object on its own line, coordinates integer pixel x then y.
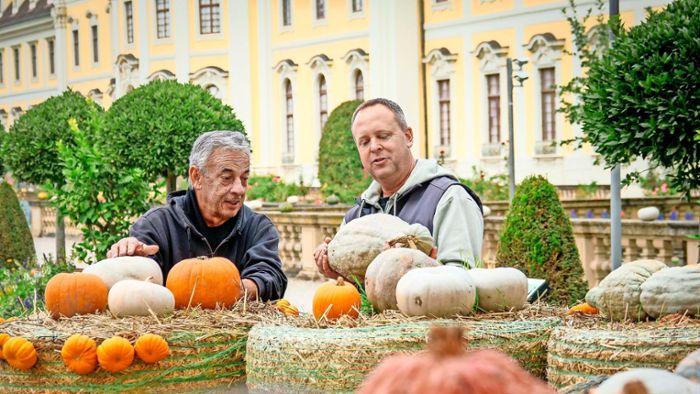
{"type": "Point", "coordinates": [181, 33]}
{"type": "Point", "coordinates": [240, 88]}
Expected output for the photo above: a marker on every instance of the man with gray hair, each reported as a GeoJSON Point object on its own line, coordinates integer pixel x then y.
{"type": "Point", "coordinates": [210, 219]}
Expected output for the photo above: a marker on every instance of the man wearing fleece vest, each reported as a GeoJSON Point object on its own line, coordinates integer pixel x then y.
{"type": "Point", "coordinates": [416, 190]}
{"type": "Point", "coordinates": [209, 219]}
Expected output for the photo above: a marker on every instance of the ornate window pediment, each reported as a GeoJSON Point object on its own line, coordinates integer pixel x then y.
{"type": "Point", "coordinates": [127, 63]}
{"type": "Point", "coordinates": [546, 48]}
{"type": "Point", "coordinates": [320, 62]}
{"type": "Point", "coordinates": [210, 78]}
{"type": "Point", "coordinates": [442, 62]}
{"type": "Point", "coordinates": [96, 95]}
{"type": "Point", "coordinates": [16, 112]}
{"type": "Point", "coordinates": [285, 66]}
{"type": "Point", "coordinates": [491, 55]}
{"type": "Point", "coordinates": [356, 56]}
{"type": "Point", "coordinates": [162, 75]}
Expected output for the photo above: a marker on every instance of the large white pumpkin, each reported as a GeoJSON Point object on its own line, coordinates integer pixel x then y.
{"type": "Point", "coordinates": [126, 267]}
{"type": "Point", "coordinates": [357, 243]}
{"type": "Point", "coordinates": [436, 291]}
{"type": "Point", "coordinates": [500, 289]}
{"type": "Point", "coordinates": [139, 298]}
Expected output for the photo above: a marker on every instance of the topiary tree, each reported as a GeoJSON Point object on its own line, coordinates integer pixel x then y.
{"type": "Point", "coordinates": [2, 137]}
{"type": "Point", "coordinates": [16, 243]}
{"type": "Point", "coordinates": [154, 126]}
{"type": "Point", "coordinates": [339, 166]}
{"type": "Point", "coordinates": [537, 238]}
{"type": "Point", "coordinates": [29, 150]}
{"type": "Point", "coordinates": [640, 98]}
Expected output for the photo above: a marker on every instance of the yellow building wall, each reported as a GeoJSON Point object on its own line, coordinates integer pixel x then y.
{"type": "Point", "coordinates": [479, 8]}
{"type": "Point", "coordinates": [208, 42]}
{"type": "Point", "coordinates": [78, 11]}
{"type": "Point", "coordinates": [529, 3]}
{"type": "Point", "coordinates": [436, 14]}
{"type": "Point", "coordinates": [304, 26]}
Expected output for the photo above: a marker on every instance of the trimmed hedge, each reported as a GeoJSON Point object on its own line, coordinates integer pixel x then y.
{"type": "Point", "coordinates": [537, 238]}
{"type": "Point", "coordinates": [16, 242]}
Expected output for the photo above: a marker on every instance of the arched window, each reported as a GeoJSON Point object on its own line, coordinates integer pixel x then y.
{"type": "Point", "coordinates": [289, 111]}
{"type": "Point", "coordinates": [359, 86]}
{"type": "Point", "coordinates": [213, 90]}
{"type": "Point", "coordinates": [322, 101]}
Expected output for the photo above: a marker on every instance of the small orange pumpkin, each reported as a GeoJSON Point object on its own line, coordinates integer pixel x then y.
{"type": "Point", "coordinates": [3, 339]}
{"type": "Point", "coordinates": [286, 308]}
{"type": "Point", "coordinates": [151, 348]}
{"type": "Point", "coordinates": [583, 309]}
{"type": "Point", "coordinates": [207, 282]}
{"type": "Point", "coordinates": [79, 353]}
{"type": "Point", "coordinates": [115, 354]}
{"type": "Point", "coordinates": [19, 353]}
{"type": "Point", "coordinates": [75, 294]}
{"type": "Point", "coordinates": [336, 299]}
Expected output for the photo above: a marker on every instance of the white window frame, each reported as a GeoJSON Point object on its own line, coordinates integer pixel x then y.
{"type": "Point", "coordinates": [492, 60]}
{"type": "Point", "coordinates": [49, 41]}
{"type": "Point", "coordinates": [198, 29]}
{"type": "Point", "coordinates": [442, 64]}
{"type": "Point", "coordinates": [33, 63]}
{"type": "Point", "coordinates": [357, 60]}
{"type": "Point", "coordinates": [17, 64]}
{"type": "Point", "coordinates": [3, 62]}
{"type": "Point", "coordinates": [74, 27]}
{"type": "Point", "coordinates": [282, 26]}
{"type": "Point", "coordinates": [3, 120]}
{"type": "Point", "coordinates": [320, 65]}
{"type": "Point", "coordinates": [287, 70]}
{"type": "Point", "coordinates": [96, 95]}
{"type": "Point", "coordinates": [168, 38]}
{"type": "Point", "coordinates": [208, 76]}
{"type": "Point", "coordinates": [356, 14]}
{"type": "Point", "coordinates": [546, 51]}
{"type": "Point", "coordinates": [440, 6]}
{"type": "Point", "coordinates": [93, 23]}
{"type": "Point", "coordinates": [319, 21]}
{"type": "Point", "coordinates": [127, 44]}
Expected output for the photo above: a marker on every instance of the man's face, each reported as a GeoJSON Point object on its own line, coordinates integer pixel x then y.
{"type": "Point", "coordinates": [222, 186]}
{"type": "Point", "coordinates": [385, 149]}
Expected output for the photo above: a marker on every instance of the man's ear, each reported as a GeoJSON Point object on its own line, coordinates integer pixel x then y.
{"type": "Point", "coordinates": [409, 136]}
{"type": "Point", "coordinates": [196, 177]}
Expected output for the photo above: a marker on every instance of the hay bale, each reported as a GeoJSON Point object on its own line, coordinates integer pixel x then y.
{"type": "Point", "coordinates": [207, 350]}
{"type": "Point", "coordinates": [284, 358]}
{"type": "Point", "coordinates": [577, 353]}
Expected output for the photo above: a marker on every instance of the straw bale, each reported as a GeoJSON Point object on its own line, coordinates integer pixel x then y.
{"type": "Point", "coordinates": [300, 355]}
{"type": "Point", "coordinates": [207, 350]}
{"type": "Point", "coordinates": [584, 348]}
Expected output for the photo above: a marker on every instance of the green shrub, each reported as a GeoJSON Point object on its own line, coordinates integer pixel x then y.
{"type": "Point", "coordinates": [493, 188]}
{"type": "Point", "coordinates": [640, 98]}
{"type": "Point", "coordinates": [272, 188]}
{"type": "Point", "coordinates": [22, 285]}
{"type": "Point", "coordinates": [16, 242]}
{"type": "Point", "coordinates": [2, 137]}
{"type": "Point", "coordinates": [101, 197]}
{"type": "Point", "coordinates": [537, 238]}
{"type": "Point", "coordinates": [339, 166]}
{"type": "Point", "coordinates": [154, 126]}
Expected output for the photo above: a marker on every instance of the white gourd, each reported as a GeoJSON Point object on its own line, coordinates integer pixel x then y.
{"type": "Point", "coordinates": [357, 243]}
{"type": "Point", "coordinates": [440, 291]}
{"type": "Point", "coordinates": [126, 267]}
{"type": "Point", "coordinates": [500, 289]}
{"type": "Point", "coordinates": [672, 290]}
{"type": "Point", "coordinates": [131, 297]}
{"type": "Point", "coordinates": [617, 295]}
{"type": "Point", "coordinates": [385, 271]}
{"type": "Point", "coordinates": [655, 381]}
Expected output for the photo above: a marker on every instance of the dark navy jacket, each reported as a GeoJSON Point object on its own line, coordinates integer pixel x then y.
{"type": "Point", "coordinates": [252, 245]}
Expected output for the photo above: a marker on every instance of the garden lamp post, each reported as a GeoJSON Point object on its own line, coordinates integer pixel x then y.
{"type": "Point", "coordinates": [615, 199]}
{"type": "Point", "coordinates": [520, 76]}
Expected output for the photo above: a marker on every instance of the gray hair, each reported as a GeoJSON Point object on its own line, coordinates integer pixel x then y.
{"type": "Point", "coordinates": [392, 106]}
{"type": "Point", "coordinates": [206, 143]}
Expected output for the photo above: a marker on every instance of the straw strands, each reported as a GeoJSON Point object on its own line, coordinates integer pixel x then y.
{"type": "Point", "coordinates": [585, 348]}
{"type": "Point", "coordinates": [207, 349]}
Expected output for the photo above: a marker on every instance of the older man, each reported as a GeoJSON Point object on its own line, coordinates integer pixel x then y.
{"type": "Point", "coordinates": [209, 219]}
{"type": "Point", "coordinates": [416, 190]}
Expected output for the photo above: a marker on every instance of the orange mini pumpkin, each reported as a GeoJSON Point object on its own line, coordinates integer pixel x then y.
{"type": "Point", "coordinates": [584, 308]}
{"type": "Point", "coordinates": [79, 353]}
{"type": "Point", "coordinates": [115, 354]}
{"type": "Point", "coordinates": [207, 282]}
{"type": "Point", "coordinates": [75, 294]}
{"type": "Point", "coordinates": [3, 339]}
{"type": "Point", "coordinates": [151, 348]}
{"type": "Point", "coordinates": [19, 353]}
{"type": "Point", "coordinates": [336, 299]}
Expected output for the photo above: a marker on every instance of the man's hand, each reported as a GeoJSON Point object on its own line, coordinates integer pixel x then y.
{"type": "Point", "coordinates": [251, 289]}
{"type": "Point", "coordinates": [321, 258]}
{"type": "Point", "coordinates": [131, 247]}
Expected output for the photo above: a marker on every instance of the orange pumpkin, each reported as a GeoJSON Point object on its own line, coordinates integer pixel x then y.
{"type": "Point", "coordinates": [583, 309]}
{"type": "Point", "coordinates": [19, 353]}
{"type": "Point", "coordinates": [79, 353]}
{"type": "Point", "coordinates": [335, 299]}
{"type": "Point", "coordinates": [115, 354]}
{"type": "Point", "coordinates": [3, 339]}
{"type": "Point", "coordinates": [75, 294]}
{"type": "Point", "coordinates": [203, 281]}
{"type": "Point", "coordinates": [151, 348]}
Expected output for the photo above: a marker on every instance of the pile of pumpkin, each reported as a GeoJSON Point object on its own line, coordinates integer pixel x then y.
{"type": "Point", "coordinates": [393, 259]}
{"type": "Point", "coordinates": [128, 286]}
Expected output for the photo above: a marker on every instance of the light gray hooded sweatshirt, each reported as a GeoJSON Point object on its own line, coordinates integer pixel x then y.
{"type": "Point", "coordinates": [458, 225]}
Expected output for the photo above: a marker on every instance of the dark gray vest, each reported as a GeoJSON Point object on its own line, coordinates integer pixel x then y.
{"type": "Point", "coordinates": [417, 205]}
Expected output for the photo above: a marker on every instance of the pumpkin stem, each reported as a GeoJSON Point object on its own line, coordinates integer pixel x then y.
{"type": "Point", "coordinates": [446, 341]}
{"type": "Point", "coordinates": [340, 281]}
{"type": "Point", "coordinates": [634, 387]}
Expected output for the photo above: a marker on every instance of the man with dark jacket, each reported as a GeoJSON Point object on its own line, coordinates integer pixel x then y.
{"type": "Point", "coordinates": [210, 219]}
{"type": "Point", "coordinates": [415, 190]}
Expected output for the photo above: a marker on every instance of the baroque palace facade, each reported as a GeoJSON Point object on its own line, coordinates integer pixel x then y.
{"type": "Point", "coordinates": [283, 65]}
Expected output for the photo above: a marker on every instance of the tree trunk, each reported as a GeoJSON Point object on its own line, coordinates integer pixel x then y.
{"type": "Point", "coordinates": [60, 237]}
{"type": "Point", "coordinates": [171, 182]}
